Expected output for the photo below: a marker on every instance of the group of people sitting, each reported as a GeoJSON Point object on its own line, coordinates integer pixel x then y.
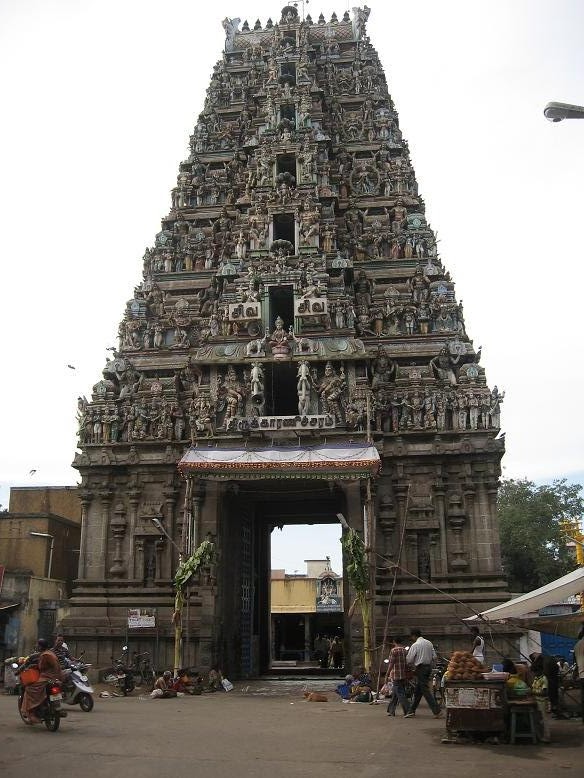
{"type": "Point", "coordinates": [188, 681]}
{"type": "Point", "coordinates": [357, 687]}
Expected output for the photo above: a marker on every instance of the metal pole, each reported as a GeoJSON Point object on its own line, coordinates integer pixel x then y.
{"type": "Point", "coordinates": [51, 556]}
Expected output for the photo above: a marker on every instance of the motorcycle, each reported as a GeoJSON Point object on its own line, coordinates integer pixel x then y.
{"type": "Point", "coordinates": [49, 711]}
{"type": "Point", "coordinates": [76, 687]}
{"type": "Point", "coordinates": [122, 677]}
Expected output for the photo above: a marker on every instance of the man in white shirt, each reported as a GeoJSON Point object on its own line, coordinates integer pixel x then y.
{"type": "Point", "coordinates": [420, 657]}
{"type": "Point", "coordinates": [478, 645]}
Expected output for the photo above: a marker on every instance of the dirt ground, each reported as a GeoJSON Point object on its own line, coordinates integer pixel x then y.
{"type": "Point", "coordinates": [264, 729]}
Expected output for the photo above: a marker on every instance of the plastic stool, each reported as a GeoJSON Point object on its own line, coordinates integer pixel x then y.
{"type": "Point", "coordinates": [517, 711]}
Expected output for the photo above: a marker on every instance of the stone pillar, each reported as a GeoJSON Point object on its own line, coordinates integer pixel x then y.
{"type": "Point", "coordinates": [86, 498]}
{"type": "Point", "coordinates": [160, 573]}
{"type": "Point", "coordinates": [198, 495]}
{"type": "Point", "coordinates": [473, 514]}
{"type": "Point", "coordinates": [401, 492]}
{"type": "Point", "coordinates": [387, 523]}
{"type": "Point", "coordinates": [439, 543]}
{"type": "Point", "coordinates": [133, 501]}
{"type": "Point", "coordinates": [105, 496]}
{"type": "Point", "coordinates": [139, 559]}
{"type": "Point", "coordinates": [166, 562]}
{"type": "Point", "coordinates": [118, 526]}
{"type": "Point", "coordinates": [457, 518]}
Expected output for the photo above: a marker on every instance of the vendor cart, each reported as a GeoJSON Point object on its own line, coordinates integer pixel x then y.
{"type": "Point", "coordinates": [475, 706]}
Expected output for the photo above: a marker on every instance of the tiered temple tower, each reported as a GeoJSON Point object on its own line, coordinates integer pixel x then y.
{"type": "Point", "coordinates": [293, 299]}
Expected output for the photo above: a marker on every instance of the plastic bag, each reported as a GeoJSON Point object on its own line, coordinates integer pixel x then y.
{"type": "Point", "coordinates": [227, 685]}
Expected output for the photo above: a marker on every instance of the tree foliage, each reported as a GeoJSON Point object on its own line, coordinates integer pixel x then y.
{"type": "Point", "coordinates": [357, 572]}
{"type": "Point", "coordinates": [533, 543]}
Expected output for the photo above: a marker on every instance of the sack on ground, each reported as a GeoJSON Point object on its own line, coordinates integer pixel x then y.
{"type": "Point", "coordinates": [227, 685]}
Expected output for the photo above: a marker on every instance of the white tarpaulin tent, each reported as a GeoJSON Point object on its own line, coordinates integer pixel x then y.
{"type": "Point", "coordinates": [550, 594]}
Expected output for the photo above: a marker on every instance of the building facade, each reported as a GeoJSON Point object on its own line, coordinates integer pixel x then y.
{"type": "Point", "coordinates": [39, 552]}
{"type": "Point", "coordinates": [304, 606]}
{"type": "Point", "coordinates": [297, 328]}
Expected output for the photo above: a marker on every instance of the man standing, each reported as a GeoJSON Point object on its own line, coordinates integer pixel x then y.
{"type": "Point", "coordinates": [579, 658]}
{"type": "Point", "coordinates": [478, 645]}
{"type": "Point", "coordinates": [396, 673]}
{"type": "Point", "coordinates": [420, 656]}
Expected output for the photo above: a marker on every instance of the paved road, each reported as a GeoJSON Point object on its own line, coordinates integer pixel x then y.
{"type": "Point", "coordinates": [262, 733]}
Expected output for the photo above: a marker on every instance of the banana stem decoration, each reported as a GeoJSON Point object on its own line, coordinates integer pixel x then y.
{"type": "Point", "coordinates": [201, 557]}
{"type": "Point", "coordinates": [357, 571]}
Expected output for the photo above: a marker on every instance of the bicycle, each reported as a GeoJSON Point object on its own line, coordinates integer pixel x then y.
{"type": "Point", "coordinates": [144, 673]}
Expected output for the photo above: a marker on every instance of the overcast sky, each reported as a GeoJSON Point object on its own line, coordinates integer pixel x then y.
{"type": "Point", "coordinates": [98, 100]}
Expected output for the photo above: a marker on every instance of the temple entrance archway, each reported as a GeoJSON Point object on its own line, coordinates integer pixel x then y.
{"type": "Point", "coordinates": [251, 636]}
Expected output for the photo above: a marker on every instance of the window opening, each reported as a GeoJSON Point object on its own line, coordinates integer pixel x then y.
{"type": "Point", "coordinates": [281, 384]}
{"type": "Point", "coordinates": [288, 71]}
{"type": "Point", "coordinates": [286, 163]}
{"type": "Point", "coordinates": [288, 111]}
{"type": "Point", "coordinates": [285, 228]}
{"type": "Point", "coordinates": [282, 305]}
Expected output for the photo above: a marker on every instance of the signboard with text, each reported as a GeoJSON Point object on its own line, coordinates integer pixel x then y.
{"type": "Point", "coordinates": [141, 618]}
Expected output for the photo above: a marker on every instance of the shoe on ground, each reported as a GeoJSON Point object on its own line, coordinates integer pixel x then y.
{"type": "Point", "coordinates": [439, 714]}
{"type": "Point", "coordinates": [410, 715]}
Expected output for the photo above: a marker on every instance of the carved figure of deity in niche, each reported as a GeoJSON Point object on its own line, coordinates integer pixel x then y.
{"type": "Point", "coordinates": [278, 340]}
{"type": "Point", "coordinates": [330, 390]}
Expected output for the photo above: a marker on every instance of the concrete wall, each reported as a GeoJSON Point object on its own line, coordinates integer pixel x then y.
{"type": "Point", "coordinates": [32, 593]}
{"type": "Point", "coordinates": [293, 595]}
{"type": "Point", "coordinates": [59, 500]}
{"type": "Point", "coordinates": [21, 552]}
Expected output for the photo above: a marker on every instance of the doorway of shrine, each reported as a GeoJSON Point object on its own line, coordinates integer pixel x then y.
{"type": "Point", "coordinates": [253, 637]}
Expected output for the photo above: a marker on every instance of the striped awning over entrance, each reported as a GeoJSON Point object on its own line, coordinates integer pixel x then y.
{"type": "Point", "coordinates": [347, 461]}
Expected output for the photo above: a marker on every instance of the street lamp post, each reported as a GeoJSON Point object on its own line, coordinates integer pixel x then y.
{"type": "Point", "coordinates": [52, 538]}
{"type": "Point", "coordinates": [557, 112]}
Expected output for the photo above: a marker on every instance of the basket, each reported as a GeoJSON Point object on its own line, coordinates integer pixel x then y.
{"type": "Point", "coordinates": [30, 675]}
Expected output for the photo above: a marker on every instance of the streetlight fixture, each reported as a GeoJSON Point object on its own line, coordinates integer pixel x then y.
{"type": "Point", "coordinates": [158, 524]}
{"type": "Point", "coordinates": [557, 112]}
{"type": "Point", "coordinates": [52, 538]}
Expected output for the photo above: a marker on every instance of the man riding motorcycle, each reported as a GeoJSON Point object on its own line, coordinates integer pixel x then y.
{"type": "Point", "coordinates": [35, 693]}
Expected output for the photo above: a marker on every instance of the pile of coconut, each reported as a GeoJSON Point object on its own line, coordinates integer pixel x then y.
{"type": "Point", "coordinates": [463, 666]}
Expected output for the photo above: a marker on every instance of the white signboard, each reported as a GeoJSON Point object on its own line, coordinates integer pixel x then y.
{"type": "Point", "coordinates": [141, 618]}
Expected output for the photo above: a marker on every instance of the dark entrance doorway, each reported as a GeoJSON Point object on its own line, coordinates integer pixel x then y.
{"type": "Point", "coordinates": [250, 511]}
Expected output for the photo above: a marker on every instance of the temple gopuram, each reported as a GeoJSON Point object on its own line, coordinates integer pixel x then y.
{"type": "Point", "coordinates": [294, 352]}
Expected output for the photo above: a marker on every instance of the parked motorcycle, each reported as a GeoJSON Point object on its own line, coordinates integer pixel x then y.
{"type": "Point", "coordinates": [122, 677]}
{"type": "Point", "coordinates": [76, 687]}
{"type": "Point", "coordinates": [49, 711]}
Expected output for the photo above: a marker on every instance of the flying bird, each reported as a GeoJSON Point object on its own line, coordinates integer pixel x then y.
{"type": "Point", "coordinates": [71, 367]}
{"type": "Point", "coordinates": [32, 472]}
